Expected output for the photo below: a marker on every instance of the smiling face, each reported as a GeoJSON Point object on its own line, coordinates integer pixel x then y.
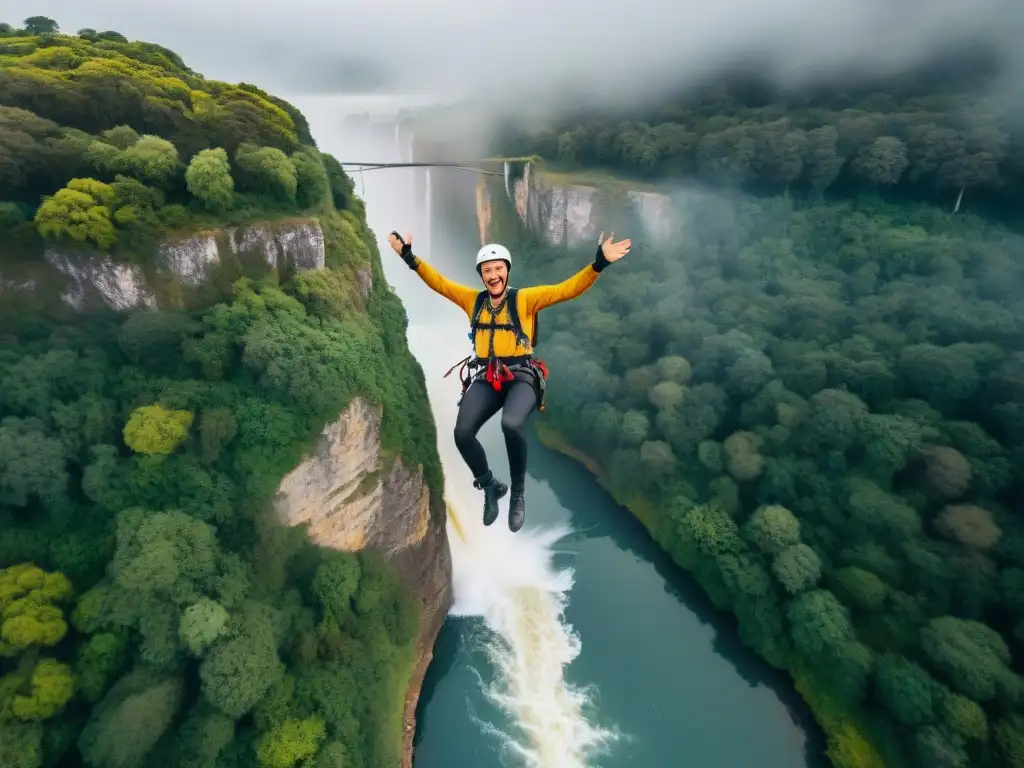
{"type": "Point", "coordinates": [495, 276]}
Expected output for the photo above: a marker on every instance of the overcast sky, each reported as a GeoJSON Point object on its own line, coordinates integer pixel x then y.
{"type": "Point", "coordinates": [547, 47]}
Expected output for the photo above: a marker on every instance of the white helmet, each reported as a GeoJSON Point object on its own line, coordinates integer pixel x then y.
{"type": "Point", "coordinates": [493, 252]}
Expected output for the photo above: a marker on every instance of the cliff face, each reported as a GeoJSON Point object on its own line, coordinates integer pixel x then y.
{"type": "Point", "coordinates": [351, 498]}
{"type": "Point", "coordinates": [569, 214]}
{"type": "Point", "coordinates": [185, 270]}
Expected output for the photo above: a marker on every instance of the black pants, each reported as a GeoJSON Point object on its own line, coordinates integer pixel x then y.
{"type": "Point", "coordinates": [516, 401]}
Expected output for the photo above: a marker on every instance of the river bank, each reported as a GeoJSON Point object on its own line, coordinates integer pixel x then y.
{"type": "Point", "coordinates": [412, 698]}
{"type": "Point", "coordinates": [848, 746]}
{"type": "Point", "coordinates": [556, 441]}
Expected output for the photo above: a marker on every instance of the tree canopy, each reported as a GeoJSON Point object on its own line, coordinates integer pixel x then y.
{"type": "Point", "coordinates": [923, 138]}
{"type": "Point", "coordinates": [113, 142]}
{"type": "Point", "coordinates": [153, 609]}
{"type": "Point", "coordinates": [814, 397]}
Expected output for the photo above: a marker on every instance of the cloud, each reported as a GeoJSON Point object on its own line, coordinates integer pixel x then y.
{"type": "Point", "coordinates": [600, 50]}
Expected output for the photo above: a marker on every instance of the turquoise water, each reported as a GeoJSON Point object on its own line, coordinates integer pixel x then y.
{"type": "Point", "coordinates": [669, 671]}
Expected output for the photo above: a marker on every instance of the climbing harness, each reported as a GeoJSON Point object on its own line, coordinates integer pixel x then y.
{"type": "Point", "coordinates": [495, 370]}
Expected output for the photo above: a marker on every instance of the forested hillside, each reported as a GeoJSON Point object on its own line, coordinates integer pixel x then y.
{"type": "Point", "coordinates": [921, 144]}
{"type": "Point", "coordinates": [816, 402]}
{"type": "Point", "coordinates": [152, 609]}
{"type": "Point", "coordinates": [113, 143]}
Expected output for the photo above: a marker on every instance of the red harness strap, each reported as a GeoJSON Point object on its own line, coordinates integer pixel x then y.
{"type": "Point", "coordinates": [498, 373]}
{"type": "Point", "coordinates": [506, 375]}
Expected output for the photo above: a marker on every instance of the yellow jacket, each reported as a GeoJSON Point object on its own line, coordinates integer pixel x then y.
{"type": "Point", "coordinates": [529, 301]}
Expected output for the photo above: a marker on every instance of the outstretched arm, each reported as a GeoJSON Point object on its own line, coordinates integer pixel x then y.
{"type": "Point", "coordinates": [461, 295]}
{"type": "Point", "coordinates": [539, 297]}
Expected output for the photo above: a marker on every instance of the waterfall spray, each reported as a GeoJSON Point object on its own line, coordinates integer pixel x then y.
{"type": "Point", "coordinates": [430, 210]}
{"type": "Point", "coordinates": [508, 188]}
{"type": "Point", "coordinates": [483, 211]}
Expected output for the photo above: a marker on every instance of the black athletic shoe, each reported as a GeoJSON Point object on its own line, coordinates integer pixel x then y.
{"type": "Point", "coordinates": [516, 510]}
{"type": "Point", "coordinates": [493, 490]}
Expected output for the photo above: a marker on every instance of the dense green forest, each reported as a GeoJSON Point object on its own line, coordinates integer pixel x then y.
{"type": "Point", "coordinates": [921, 144]}
{"type": "Point", "coordinates": [113, 143]}
{"type": "Point", "coordinates": [816, 403]}
{"type": "Point", "coordinates": [153, 611]}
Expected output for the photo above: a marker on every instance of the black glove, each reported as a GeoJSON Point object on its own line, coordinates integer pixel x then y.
{"type": "Point", "coordinates": [600, 262]}
{"type": "Point", "coordinates": [406, 254]}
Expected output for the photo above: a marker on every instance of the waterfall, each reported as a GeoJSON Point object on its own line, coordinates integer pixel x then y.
{"type": "Point", "coordinates": [428, 205]}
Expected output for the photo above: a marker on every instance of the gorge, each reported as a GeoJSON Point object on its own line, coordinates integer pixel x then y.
{"type": "Point", "coordinates": [766, 393]}
{"type": "Point", "coordinates": [531, 668]}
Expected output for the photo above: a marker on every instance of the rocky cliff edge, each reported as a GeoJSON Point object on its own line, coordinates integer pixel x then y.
{"type": "Point", "coordinates": [569, 214]}
{"type": "Point", "coordinates": [185, 270]}
{"type": "Point", "coordinates": [350, 496]}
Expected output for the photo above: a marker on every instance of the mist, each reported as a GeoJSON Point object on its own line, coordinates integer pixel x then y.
{"type": "Point", "coordinates": [550, 55]}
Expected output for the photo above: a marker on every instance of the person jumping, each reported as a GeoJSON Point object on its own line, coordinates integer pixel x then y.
{"type": "Point", "coordinates": [503, 374]}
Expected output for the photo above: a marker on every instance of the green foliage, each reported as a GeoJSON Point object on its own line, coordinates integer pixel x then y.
{"type": "Point", "coordinates": [238, 672]}
{"type": "Point", "coordinates": [100, 659]}
{"type": "Point", "coordinates": [773, 529]}
{"type": "Point", "coordinates": [40, 25]}
{"type": "Point", "coordinates": [33, 687]}
{"type": "Point", "coordinates": [147, 158]}
{"type": "Point", "coordinates": [209, 179]}
{"type": "Point", "coordinates": [80, 211]}
{"type": "Point", "coordinates": [130, 720]}
{"type": "Point", "coordinates": [266, 171]}
{"type": "Point", "coordinates": [813, 404]}
{"type": "Point", "coordinates": [78, 113]}
{"type": "Point", "coordinates": [974, 658]}
{"type": "Point", "coordinates": [30, 613]}
{"type": "Point", "coordinates": [188, 582]}
{"type": "Point", "coordinates": [152, 429]}
{"type": "Point", "coordinates": [797, 568]}
{"type": "Point", "coordinates": [140, 453]}
{"type": "Point", "coordinates": [50, 687]}
{"type": "Point", "coordinates": [312, 182]}
{"type": "Point", "coordinates": [913, 139]}
{"type": "Point", "coordinates": [342, 187]}
{"type": "Point", "coordinates": [201, 624]}
{"type": "Point", "coordinates": [906, 690]}
{"type": "Point", "coordinates": [290, 742]}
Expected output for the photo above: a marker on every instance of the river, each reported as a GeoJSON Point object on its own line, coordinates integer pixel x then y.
{"type": "Point", "coordinates": [575, 642]}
